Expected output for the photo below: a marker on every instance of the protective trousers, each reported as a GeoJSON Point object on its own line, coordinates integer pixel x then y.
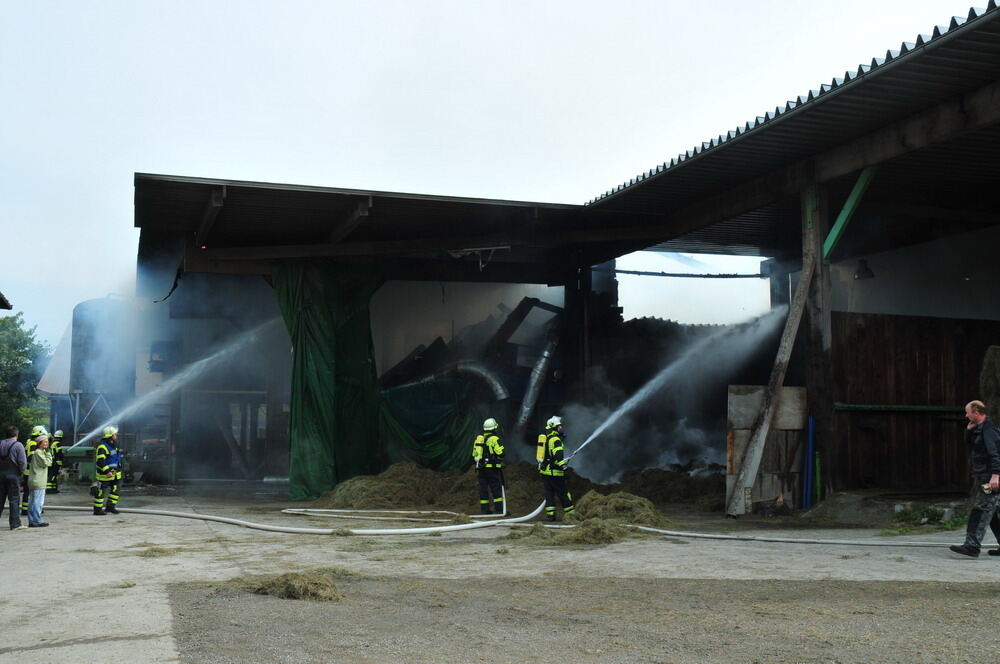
{"type": "Point", "coordinates": [555, 487]}
{"type": "Point", "coordinates": [25, 494]}
{"type": "Point", "coordinates": [984, 508]}
{"type": "Point", "coordinates": [107, 490]}
{"type": "Point", "coordinates": [490, 493]}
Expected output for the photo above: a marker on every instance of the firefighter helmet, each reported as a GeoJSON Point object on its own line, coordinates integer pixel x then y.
{"type": "Point", "coordinates": [490, 425]}
{"type": "Point", "coordinates": [109, 431]}
{"type": "Point", "coordinates": [58, 434]}
{"type": "Point", "coordinates": [38, 430]}
{"type": "Point", "coordinates": [553, 422]}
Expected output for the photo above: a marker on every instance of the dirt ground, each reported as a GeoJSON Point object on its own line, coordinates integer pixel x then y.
{"type": "Point", "coordinates": [578, 619]}
{"type": "Point", "coordinates": [176, 590]}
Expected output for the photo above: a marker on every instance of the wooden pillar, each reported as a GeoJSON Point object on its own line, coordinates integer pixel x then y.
{"type": "Point", "coordinates": [819, 361]}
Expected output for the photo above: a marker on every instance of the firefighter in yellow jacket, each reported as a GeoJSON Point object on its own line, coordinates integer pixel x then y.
{"type": "Point", "coordinates": [552, 466]}
{"type": "Point", "coordinates": [487, 452]}
{"type": "Point", "coordinates": [29, 449]}
{"type": "Point", "coordinates": [108, 472]}
{"type": "Point", "coordinates": [58, 459]}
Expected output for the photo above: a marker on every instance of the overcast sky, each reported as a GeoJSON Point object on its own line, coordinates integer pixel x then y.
{"type": "Point", "coordinates": [541, 101]}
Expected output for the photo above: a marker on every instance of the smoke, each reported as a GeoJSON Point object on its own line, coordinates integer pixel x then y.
{"type": "Point", "coordinates": [678, 415]}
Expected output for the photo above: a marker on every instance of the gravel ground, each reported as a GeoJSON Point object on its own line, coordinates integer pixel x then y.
{"type": "Point", "coordinates": [553, 619]}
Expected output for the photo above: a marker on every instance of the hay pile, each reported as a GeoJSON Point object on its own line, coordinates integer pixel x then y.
{"type": "Point", "coordinates": [315, 586]}
{"type": "Point", "coordinates": [401, 485]}
{"type": "Point", "coordinates": [407, 486]}
{"type": "Point", "coordinates": [666, 486]}
{"type": "Point", "coordinates": [617, 508]}
{"type": "Point", "coordinates": [591, 531]}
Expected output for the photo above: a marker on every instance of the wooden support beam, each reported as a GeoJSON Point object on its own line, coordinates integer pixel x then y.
{"type": "Point", "coordinates": [739, 500]}
{"type": "Point", "coordinates": [209, 215]}
{"type": "Point", "coordinates": [346, 226]}
{"type": "Point", "coordinates": [846, 212]}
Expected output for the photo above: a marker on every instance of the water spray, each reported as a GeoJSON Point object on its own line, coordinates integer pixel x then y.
{"type": "Point", "coordinates": [680, 364]}
{"type": "Point", "coordinates": [177, 381]}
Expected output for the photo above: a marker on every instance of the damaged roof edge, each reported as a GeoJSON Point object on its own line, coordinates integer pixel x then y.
{"type": "Point", "coordinates": [274, 186]}
{"type": "Point", "coordinates": [5, 303]}
{"type": "Point", "coordinates": [878, 65]}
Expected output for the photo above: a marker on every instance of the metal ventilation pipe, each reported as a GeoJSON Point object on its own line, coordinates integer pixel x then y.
{"type": "Point", "coordinates": [538, 373]}
{"type": "Point", "coordinates": [473, 368]}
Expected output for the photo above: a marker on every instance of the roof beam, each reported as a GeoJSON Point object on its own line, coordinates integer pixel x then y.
{"type": "Point", "coordinates": [346, 226]}
{"type": "Point", "coordinates": [209, 215]}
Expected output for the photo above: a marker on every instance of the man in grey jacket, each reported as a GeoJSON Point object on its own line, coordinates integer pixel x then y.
{"type": "Point", "coordinates": [983, 440]}
{"type": "Point", "coordinates": [13, 461]}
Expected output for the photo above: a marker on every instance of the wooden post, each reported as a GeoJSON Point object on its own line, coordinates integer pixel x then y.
{"type": "Point", "coordinates": [819, 372]}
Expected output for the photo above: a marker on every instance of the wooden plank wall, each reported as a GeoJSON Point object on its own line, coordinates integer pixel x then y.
{"type": "Point", "coordinates": [905, 360]}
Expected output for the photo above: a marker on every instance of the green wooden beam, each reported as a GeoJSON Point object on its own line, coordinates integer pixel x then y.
{"type": "Point", "coordinates": [850, 207]}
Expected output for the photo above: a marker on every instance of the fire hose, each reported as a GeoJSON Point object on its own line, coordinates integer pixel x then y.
{"type": "Point", "coordinates": [503, 522]}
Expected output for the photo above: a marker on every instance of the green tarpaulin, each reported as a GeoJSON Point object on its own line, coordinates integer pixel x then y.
{"type": "Point", "coordinates": [339, 424]}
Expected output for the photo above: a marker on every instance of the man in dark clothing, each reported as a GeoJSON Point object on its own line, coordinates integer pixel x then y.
{"type": "Point", "coordinates": [13, 461]}
{"type": "Point", "coordinates": [983, 441]}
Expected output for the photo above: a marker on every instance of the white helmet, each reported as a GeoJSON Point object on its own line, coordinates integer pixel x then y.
{"type": "Point", "coordinates": [38, 430]}
{"type": "Point", "coordinates": [58, 434]}
{"type": "Point", "coordinates": [553, 422]}
{"type": "Point", "coordinates": [490, 425]}
{"type": "Point", "coordinates": [109, 431]}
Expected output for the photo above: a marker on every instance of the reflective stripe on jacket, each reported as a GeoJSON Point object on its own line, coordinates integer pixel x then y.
{"type": "Point", "coordinates": [487, 451]}
{"type": "Point", "coordinates": [107, 460]}
{"type": "Point", "coordinates": [553, 463]}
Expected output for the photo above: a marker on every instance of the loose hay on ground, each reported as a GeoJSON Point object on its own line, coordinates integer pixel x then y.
{"type": "Point", "coordinates": [314, 586]}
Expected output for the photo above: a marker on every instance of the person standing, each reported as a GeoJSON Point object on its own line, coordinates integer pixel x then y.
{"type": "Point", "coordinates": [29, 450]}
{"type": "Point", "coordinates": [108, 472]}
{"type": "Point", "coordinates": [12, 463]}
{"type": "Point", "coordinates": [983, 441]}
{"type": "Point", "coordinates": [38, 478]}
{"type": "Point", "coordinates": [58, 458]}
{"type": "Point", "coordinates": [553, 469]}
{"type": "Point", "coordinates": [487, 452]}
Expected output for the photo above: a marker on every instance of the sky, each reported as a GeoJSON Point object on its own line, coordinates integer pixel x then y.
{"type": "Point", "coordinates": [538, 101]}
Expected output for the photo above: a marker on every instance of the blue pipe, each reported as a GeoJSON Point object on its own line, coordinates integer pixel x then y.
{"type": "Point", "coordinates": [808, 464]}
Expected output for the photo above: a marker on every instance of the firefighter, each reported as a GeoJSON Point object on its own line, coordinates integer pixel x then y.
{"type": "Point", "coordinates": [552, 466]}
{"type": "Point", "coordinates": [487, 452]}
{"type": "Point", "coordinates": [108, 472]}
{"type": "Point", "coordinates": [37, 432]}
{"type": "Point", "coordinates": [58, 456]}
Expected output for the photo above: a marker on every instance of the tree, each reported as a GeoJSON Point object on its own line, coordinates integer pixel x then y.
{"type": "Point", "coordinates": [22, 360]}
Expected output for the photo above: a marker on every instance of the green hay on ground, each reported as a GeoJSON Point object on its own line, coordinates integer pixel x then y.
{"type": "Point", "coordinates": [537, 534]}
{"type": "Point", "coordinates": [620, 508]}
{"type": "Point", "coordinates": [314, 586]}
{"type": "Point", "coordinates": [592, 531]}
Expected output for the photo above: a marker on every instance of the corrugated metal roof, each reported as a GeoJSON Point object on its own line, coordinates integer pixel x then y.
{"type": "Point", "coordinates": [918, 74]}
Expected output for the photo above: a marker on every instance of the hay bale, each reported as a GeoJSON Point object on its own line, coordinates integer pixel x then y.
{"type": "Point", "coordinates": [620, 507]}
{"type": "Point", "coordinates": [989, 380]}
{"type": "Point", "coordinates": [314, 586]}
